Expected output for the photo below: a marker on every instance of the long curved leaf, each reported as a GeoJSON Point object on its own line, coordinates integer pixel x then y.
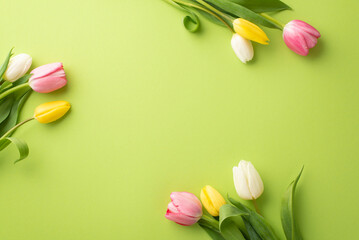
{"type": "Point", "coordinates": [227, 227]}
{"type": "Point", "coordinates": [243, 12]}
{"type": "Point", "coordinates": [261, 6]}
{"type": "Point", "coordinates": [289, 224]}
{"type": "Point", "coordinates": [209, 225]}
{"type": "Point", "coordinates": [259, 224]}
{"type": "Point", "coordinates": [190, 21]}
{"type": "Point", "coordinates": [21, 146]}
{"type": "Point", "coordinates": [5, 108]}
{"type": "Point", "coordinates": [5, 64]}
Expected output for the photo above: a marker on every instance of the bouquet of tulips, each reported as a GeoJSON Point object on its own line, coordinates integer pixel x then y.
{"type": "Point", "coordinates": [16, 86]}
{"type": "Point", "coordinates": [221, 222]}
{"type": "Point", "coordinates": [242, 18]}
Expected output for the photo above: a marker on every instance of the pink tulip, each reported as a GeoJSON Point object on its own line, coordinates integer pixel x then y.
{"type": "Point", "coordinates": [48, 78]}
{"type": "Point", "coordinates": [184, 208]}
{"type": "Point", "coordinates": [299, 36]}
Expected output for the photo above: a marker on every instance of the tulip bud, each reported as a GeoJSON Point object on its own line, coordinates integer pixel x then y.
{"type": "Point", "coordinates": [48, 78]}
{"type": "Point", "coordinates": [242, 47]}
{"type": "Point", "coordinates": [18, 66]}
{"type": "Point", "coordinates": [51, 111]}
{"type": "Point", "coordinates": [212, 200]}
{"type": "Point", "coordinates": [299, 36]}
{"type": "Point", "coordinates": [184, 208]}
{"type": "Point", "coordinates": [250, 31]}
{"type": "Point", "coordinates": [247, 181]}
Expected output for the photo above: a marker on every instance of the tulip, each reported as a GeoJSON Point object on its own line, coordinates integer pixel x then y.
{"type": "Point", "coordinates": [242, 47]}
{"type": "Point", "coordinates": [299, 36]}
{"type": "Point", "coordinates": [18, 66]}
{"type": "Point", "coordinates": [51, 111]}
{"type": "Point", "coordinates": [212, 200]}
{"type": "Point", "coordinates": [247, 181]}
{"type": "Point", "coordinates": [48, 78]}
{"type": "Point", "coordinates": [250, 31]}
{"type": "Point", "coordinates": [184, 208]}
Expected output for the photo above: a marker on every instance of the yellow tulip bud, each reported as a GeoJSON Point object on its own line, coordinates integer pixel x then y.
{"type": "Point", "coordinates": [51, 111]}
{"type": "Point", "coordinates": [250, 31]}
{"type": "Point", "coordinates": [212, 200]}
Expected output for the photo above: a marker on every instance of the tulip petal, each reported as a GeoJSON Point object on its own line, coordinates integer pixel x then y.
{"type": "Point", "coordinates": [187, 203]}
{"type": "Point", "coordinates": [306, 27]}
{"type": "Point", "coordinates": [181, 218]}
{"type": "Point", "coordinates": [47, 69]}
{"type": "Point", "coordinates": [242, 48]}
{"type": "Point", "coordinates": [255, 182]}
{"type": "Point", "coordinates": [240, 182]}
{"type": "Point", "coordinates": [295, 41]}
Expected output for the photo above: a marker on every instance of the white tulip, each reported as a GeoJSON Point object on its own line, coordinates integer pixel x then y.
{"type": "Point", "coordinates": [18, 66]}
{"type": "Point", "coordinates": [242, 47]}
{"type": "Point", "coordinates": [247, 181]}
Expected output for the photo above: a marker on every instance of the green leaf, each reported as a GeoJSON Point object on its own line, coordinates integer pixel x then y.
{"type": "Point", "coordinates": [258, 223]}
{"type": "Point", "coordinates": [191, 21]}
{"type": "Point", "coordinates": [228, 228]}
{"type": "Point", "coordinates": [21, 146]}
{"type": "Point", "coordinates": [243, 12]}
{"type": "Point", "coordinates": [261, 6]}
{"type": "Point", "coordinates": [253, 235]}
{"type": "Point", "coordinates": [5, 108]}
{"type": "Point", "coordinates": [289, 224]}
{"type": "Point", "coordinates": [215, 235]}
{"type": "Point", "coordinates": [13, 117]}
{"type": "Point", "coordinates": [5, 64]}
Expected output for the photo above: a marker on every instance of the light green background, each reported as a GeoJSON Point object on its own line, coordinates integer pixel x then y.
{"type": "Point", "coordinates": [157, 109]}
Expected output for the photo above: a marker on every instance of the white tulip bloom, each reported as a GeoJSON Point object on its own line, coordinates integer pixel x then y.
{"type": "Point", "coordinates": [18, 66]}
{"type": "Point", "coordinates": [242, 47]}
{"type": "Point", "coordinates": [247, 181]}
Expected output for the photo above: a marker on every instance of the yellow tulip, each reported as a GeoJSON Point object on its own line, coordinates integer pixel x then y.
{"type": "Point", "coordinates": [250, 31]}
{"type": "Point", "coordinates": [212, 200]}
{"type": "Point", "coordinates": [51, 111]}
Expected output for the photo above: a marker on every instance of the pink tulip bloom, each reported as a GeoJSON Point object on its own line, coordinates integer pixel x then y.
{"type": "Point", "coordinates": [299, 36]}
{"type": "Point", "coordinates": [48, 78]}
{"type": "Point", "coordinates": [184, 208]}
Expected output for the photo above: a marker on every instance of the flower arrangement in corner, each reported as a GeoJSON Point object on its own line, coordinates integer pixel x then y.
{"type": "Point", "coordinates": [242, 18]}
{"type": "Point", "coordinates": [186, 209]}
{"type": "Point", "coordinates": [16, 86]}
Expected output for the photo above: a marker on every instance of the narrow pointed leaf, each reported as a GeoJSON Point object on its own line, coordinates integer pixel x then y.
{"type": "Point", "coordinates": [260, 6]}
{"type": "Point", "coordinates": [21, 146]}
{"type": "Point", "coordinates": [191, 21]}
{"type": "Point", "coordinates": [289, 224]}
{"type": "Point", "coordinates": [243, 12]}
{"type": "Point", "coordinates": [258, 223]}
{"type": "Point", "coordinates": [5, 108]}
{"type": "Point", "coordinates": [5, 64]}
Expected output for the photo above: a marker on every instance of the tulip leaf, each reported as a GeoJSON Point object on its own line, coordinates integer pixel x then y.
{"type": "Point", "coordinates": [261, 6]}
{"type": "Point", "coordinates": [21, 146]}
{"type": "Point", "coordinates": [258, 223]}
{"type": "Point", "coordinates": [228, 228]}
{"type": "Point", "coordinates": [289, 224]}
{"type": "Point", "coordinates": [13, 117]}
{"type": "Point", "coordinates": [5, 64]}
{"type": "Point", "coordinates": [5, 108]}
{"type": "Point", "coordinates": [253, 235]}
{"type": "Point", "coordinates": [215, 235]}
{"type": "Point", "coordinates": [190, 21]}
{"type": "Point", "coordinates": [243, 12]}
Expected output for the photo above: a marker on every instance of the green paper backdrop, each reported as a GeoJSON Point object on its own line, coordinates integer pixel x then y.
{"type": "Point", "coordinates": [157, 109]}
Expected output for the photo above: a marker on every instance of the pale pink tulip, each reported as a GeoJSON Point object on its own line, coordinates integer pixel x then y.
{"type": "Point", "coordinates": [184, 208]}
{"type": "Point", "coordinates": [299, 36]}
{"type": "Point", "coordinates": [48, 78]}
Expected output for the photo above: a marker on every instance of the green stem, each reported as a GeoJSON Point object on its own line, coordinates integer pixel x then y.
{"type": "Point", "coordinates": [256, 206]}
{"type": "Point", "coordinates": [213, 9]}
{"type": "Point", "coordinates": [205, 10]}
{"type": "Point", "coordinates": [273, 20]}
{"type": "Point", "coordinates": [214, 223]}
{"type": "Point", "coordinates": [15, 127]}
{"type": "Point", "coordinates": [14, 89]}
